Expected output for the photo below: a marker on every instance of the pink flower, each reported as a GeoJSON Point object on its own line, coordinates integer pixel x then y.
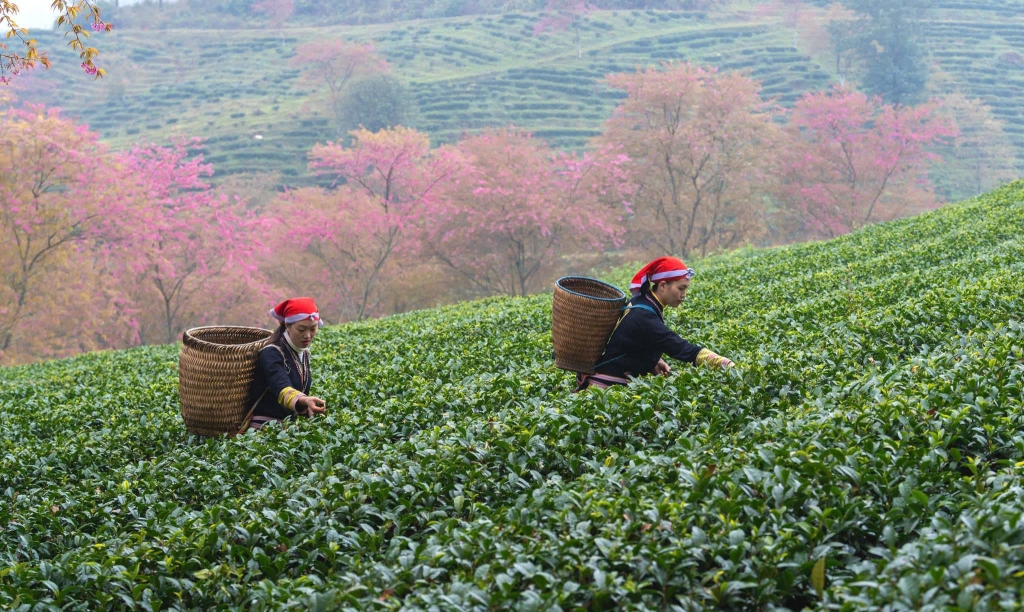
{"type": "Point", "coordinates": [89, 68]}
{"type": "Point", "coordinates": [99, 26]}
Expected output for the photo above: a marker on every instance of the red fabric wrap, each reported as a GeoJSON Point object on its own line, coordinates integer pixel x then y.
{"type": "Point", "coordinates": [296, 309]}
{"type": "Point", "coordinates": [661, 269]}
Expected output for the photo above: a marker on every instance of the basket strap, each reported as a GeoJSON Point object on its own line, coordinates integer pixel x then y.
{"type": "Point", "coordinates": [640, 306]}
{"type": "Point", "coordinates": [625, 311]}
{"type": "Point", "coordinates": [286, 368]}
{"type": "Point", "coordinates": [248, 417]}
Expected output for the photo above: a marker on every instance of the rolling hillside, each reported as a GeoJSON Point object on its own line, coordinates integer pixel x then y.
{"type": "Point", "coordinates": [866, 452]}
{"type": "Point", "coordinates": [470, 72]}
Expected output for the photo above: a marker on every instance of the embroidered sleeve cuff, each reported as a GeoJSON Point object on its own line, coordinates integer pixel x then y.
{"type": "Point", "coordinates": [288, 397]}
{"type": "Point", "coordinates": [712, 359]}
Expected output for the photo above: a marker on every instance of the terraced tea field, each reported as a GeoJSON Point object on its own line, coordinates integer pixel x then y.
{"type": "Point", "coordinates": [985, 57]}
{"type": "Point", "coordinates": [234, 87]}
{"type": "Point", "coordinates": [564, 101]}
{"type": "Point", "coordinates": [867, 451]}
{"type": "Point", "coordinates": [465, 74]}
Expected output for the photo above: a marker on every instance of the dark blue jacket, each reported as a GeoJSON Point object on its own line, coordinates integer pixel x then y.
{"type": "Point", "coordinates": [641, 339]}
{"type": "Point", "coordinates": [278, 367]}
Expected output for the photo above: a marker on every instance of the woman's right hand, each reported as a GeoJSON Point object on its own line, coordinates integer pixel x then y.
{"type": "Point", "coordinates": [309, 405]}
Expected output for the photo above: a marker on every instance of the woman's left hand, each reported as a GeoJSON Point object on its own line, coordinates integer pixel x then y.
{"type": "Point", "coordinates": [661, 368]}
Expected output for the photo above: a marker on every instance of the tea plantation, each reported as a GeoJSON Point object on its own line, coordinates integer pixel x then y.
{"type": "Point", "coordinates": [986, 59]}
{"type": "Point", "coordinates": [867, 451]}
{"type": "Point", "coordinates": [464, 74]}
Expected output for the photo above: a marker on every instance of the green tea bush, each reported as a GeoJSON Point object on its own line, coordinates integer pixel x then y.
{"type": "Point", "coordinates": [866, 453]}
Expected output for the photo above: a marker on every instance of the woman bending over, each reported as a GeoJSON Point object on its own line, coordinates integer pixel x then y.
{"type": "Point", "coordinates": [641, 338]}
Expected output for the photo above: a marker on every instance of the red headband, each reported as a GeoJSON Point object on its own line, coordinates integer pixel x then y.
{"type": "Point", "coordinates": [661, 269]}
{"type": "Point", "coordinates": [296, 309]}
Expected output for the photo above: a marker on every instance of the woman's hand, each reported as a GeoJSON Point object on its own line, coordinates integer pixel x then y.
{"type": "Point", "coordinates": [309, 405]}
{"type": "Point", "coordinates": [661, 368]}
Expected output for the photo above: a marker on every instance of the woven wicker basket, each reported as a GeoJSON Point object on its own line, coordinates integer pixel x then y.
{"type": "Point", "coordinates": [583, 315]}
{"type": "Point", "coordinates": [215, 372]}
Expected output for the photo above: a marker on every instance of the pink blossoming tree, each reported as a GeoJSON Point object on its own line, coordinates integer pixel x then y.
{"type": "Point", "coordinates": [183, 251]}
{"type": "Point", "coordinates": [277, 12]}
{"type": "Point", "coordinates": [564, 15]}
{"type": "Point", "coordinates": [350, 235]}
{"type": "Point", "coordinates": [331, 64]}
{"type": "Point", "coordinates": [853, 160]}
{"type": "Point", "coordinates": [700, 145]}
{"type": "Point", "coordinates": [515, 205]}
{"type": "Point", "coordinates": [105, 250]}
{"type": "Point", "coordinates": [54, 191]}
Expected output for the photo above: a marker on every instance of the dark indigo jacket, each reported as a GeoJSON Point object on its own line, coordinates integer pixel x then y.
{"type": "Point", "coordinates": [275, 370]}
{"type": "Point", "coordinates": [641, 339]}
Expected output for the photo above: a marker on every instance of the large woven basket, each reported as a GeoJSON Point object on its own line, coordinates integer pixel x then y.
{"type": "Point", "coordinates": [583, 315]}
{"type": "Point", "coordinates": [215, 372]}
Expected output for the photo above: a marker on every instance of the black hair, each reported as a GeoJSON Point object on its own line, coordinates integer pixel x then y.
{"type": "Point", "coordinates": [276, 336]}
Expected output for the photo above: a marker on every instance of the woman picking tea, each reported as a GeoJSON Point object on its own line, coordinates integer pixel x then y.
{"type": "Point", "coordinates": [641, 338]}
{"type": "Point", "coordinates": [280, 389]}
